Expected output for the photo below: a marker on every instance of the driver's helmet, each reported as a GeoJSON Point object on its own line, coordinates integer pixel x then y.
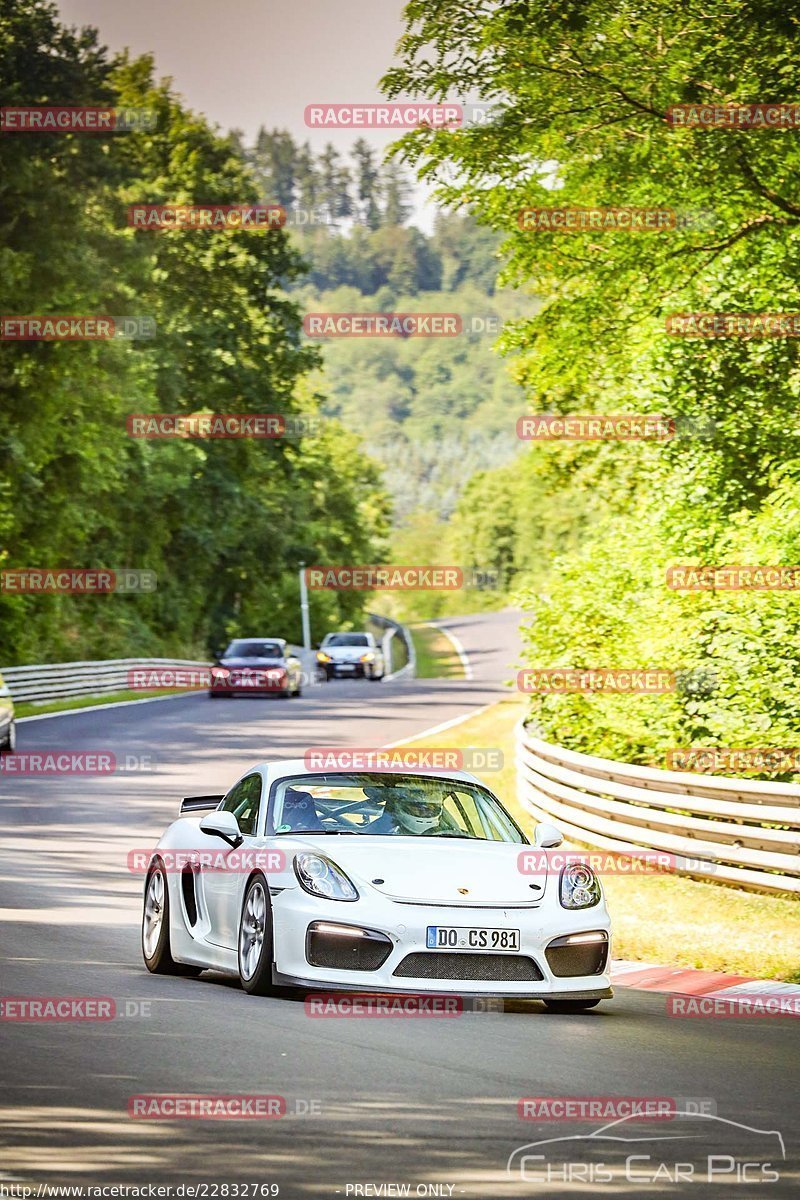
{"type": "Point", "coordinates": [416, 810]}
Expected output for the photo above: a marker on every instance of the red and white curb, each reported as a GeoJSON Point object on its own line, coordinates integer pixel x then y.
{"type": "Point", "coordinates": [770, 996]}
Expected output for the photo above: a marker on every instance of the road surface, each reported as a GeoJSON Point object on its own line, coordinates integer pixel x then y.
{"type": "Point", "coordinates": [427, 1105]}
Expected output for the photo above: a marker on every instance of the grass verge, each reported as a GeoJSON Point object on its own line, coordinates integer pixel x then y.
{"type": "Point", "coordinates": [658, 918]}
{"type": "Point", "coordinates": [39, 710]}
{"type": "Point", "coordinates": [436, 655]}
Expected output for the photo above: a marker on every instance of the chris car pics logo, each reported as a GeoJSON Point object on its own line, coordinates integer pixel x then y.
{"type": "Point", "coordinates": [695, 1147]}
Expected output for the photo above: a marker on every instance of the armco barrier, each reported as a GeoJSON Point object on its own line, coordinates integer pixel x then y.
{"type": "Point", "coordinates": [737, 831]}
{"type": "Point", "coordinates": [52, 681]}
{"type": "Point", "coordinates": [56, 681]}
{"type": "Point", "coordinates": [391, 630]}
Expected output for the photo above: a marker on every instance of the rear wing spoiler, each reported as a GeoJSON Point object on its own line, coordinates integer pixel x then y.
{"type": "Point", "coordinates": [199, 803]}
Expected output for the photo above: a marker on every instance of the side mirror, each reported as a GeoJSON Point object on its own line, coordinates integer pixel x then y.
{"type": "Point", "coordinates": [222, 824]}
{"type": "Point", "coordinates": [546, 837]}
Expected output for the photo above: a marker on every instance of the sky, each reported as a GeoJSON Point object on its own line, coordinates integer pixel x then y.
{"type": "Point", "coordinates": [258, 61]}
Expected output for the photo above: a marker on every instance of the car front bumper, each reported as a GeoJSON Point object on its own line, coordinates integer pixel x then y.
{"type": "Point", "coordinates": [405, 925]}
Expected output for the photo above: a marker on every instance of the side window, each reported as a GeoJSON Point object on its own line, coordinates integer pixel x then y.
{"type": "Point", "coordinates": [243, 800]}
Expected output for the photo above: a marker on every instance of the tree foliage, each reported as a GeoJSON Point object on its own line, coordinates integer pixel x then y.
{"type": "Point", "coordinates": [224, 524]}
{"type": "Point", "coordinates": [581, 93]}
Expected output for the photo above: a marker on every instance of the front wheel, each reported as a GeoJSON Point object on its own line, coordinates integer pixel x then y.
{"type": "Point", "coordinates": [570, 1006]}
{"type": "Point", "coordinates": [155, 928]}
{"type": "Point", "coordinates": [10, 744]}
{"type": "Point", "coordinates": [255, 939]}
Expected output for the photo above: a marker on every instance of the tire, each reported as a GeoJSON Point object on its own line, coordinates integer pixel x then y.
{"type": "Point", "coordinates": [10, 744]}
{"type": "Point", "coordinates": [254, 943]}
{"type": "Point", "coordinates": [155, 939]}
{"type": "Point", "coordinates": [570, 1006]}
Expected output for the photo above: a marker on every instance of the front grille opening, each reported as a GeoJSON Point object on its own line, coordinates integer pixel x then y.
{"type": "Point", "coordinates": [363, 950]}
{"type": "Point", "coordinates": [567, 959]}
{"type": "Point", "coordinates": [490, 968]}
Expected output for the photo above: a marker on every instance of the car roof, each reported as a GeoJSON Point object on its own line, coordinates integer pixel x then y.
{"type": "Point", "coordinates": [286, 767]}
{"type": "Point", "coordinates": [258, 637]}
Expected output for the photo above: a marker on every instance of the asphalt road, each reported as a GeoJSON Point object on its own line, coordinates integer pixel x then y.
{"type": "Point", "coordinates": [424, 1104]}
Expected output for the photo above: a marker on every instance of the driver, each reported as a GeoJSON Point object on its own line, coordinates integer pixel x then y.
{"type": "Point", "coordinates": [416, 811]}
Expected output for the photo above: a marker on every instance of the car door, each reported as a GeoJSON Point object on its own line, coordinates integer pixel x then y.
{"type": "Point", "coordinates": [221, 888]}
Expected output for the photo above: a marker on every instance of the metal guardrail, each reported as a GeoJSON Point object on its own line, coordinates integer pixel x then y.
{"type": "Point", "coordinates": [393, 629]}
{"type": "Point", "coordinates": [56, 681]}
{"type": "Point", "coordinates": [52, 681]}
{"type": "Point", "coordinates": [736, 831]}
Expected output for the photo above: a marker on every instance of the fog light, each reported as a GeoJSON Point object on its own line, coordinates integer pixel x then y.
{"type": "Point", "coordinates": [578, 954]}
{"type": "Point", "coordinates": [346, 947]}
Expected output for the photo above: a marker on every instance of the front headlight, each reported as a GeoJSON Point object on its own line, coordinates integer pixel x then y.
{"type": "Point", "coordinates": [321, 657]}
{"type": "Point", "coordinates": [367, 657]}
{"type": "Point", "coordinates": [579, 886]}
{"type": "Point", "coordinates": [319, 876]}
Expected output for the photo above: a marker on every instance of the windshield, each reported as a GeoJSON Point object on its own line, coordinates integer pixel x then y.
{"type": "Point", "coordinates": [346, 639]}
{"type": "Point", "coordinates": [245, 648]}
{"type": "Point", "coordinates": [388, 805]}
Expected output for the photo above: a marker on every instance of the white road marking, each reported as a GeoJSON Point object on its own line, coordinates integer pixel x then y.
{"type": "Point", "coordinates": [460, 651]}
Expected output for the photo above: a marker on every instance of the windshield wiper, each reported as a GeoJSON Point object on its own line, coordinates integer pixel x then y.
{"type": "Point", "coordinates": [325, 832]}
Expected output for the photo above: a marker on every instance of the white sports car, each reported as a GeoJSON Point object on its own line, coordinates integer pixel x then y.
{"type": "Point", "coordinates": [373, 881]}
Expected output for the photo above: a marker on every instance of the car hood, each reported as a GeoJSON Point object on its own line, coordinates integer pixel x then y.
{"type": "Point", "coordinates": [345, 653]}
{"type": "Point", "coordinates": [241, 664]}
{"type": "Point", "coordinates": [424, 870]}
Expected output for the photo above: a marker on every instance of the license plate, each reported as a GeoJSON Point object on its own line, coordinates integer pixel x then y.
{"type": "Point", "coordinates": [345, 667]}
{"type": "Point", "coordinates": [459, 937]}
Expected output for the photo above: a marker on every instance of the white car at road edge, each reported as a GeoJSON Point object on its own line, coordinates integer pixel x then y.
{"type": "Point", "coordinates": [351, 655]}
{"type": "Point", "coordinates": [373, 881]}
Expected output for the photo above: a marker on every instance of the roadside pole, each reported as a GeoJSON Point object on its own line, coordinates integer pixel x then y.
{"type": "Point", "coordinates": [304, 609]}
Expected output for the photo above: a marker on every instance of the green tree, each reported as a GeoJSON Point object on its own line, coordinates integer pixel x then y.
{"type": "Point", "coordinates": [367, 180]}
{"type": "Point", "coordinates": [223, 524]}
{"type": "Point", "coordinates": [273, 159]}
{"type": "Point", "coordinates": [582, 96]}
